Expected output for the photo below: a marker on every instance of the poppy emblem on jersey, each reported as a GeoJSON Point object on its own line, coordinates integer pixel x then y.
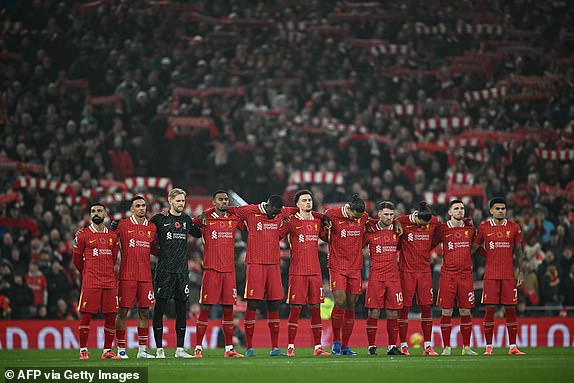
{"type": "Point", "coordinates": [102, 241]}
{"type": "Point", "coordinates": [309, 227]}
{"type": "Point", "coordinates": [458, 235]}
{"type": "Point", "coordinates": [386, 239]}
{"type": "Point", "coordinates": [177, 225]}
{"type": "Point", "coordinates": [221, 224]}
{"type": "Point", "coordinates": [499, 235]}
{"type": "Point", "coordinates": [141, 232]}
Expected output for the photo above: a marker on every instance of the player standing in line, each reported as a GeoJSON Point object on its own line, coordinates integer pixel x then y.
{"type": "Point", "coordinates": [218, 282]}
{"type": "Point", "coordinates": [414, 266]}
{"type": "Point", "coordinates": [95, 255]}
{"type": "Point", "coordinates": [502, 239]}
{"type": "Point", "coordinates": [456, 279]}
{"type": "Point", "coordinates": [305, 281]}
{"type": "Point", "coordinates": [137, 238]}
{"type": "Point", "coordinates": [345, 264]}
{"type": "Point", "coordinates": [384, 289]}
{"type": "Point", "coordinates": [263, 276]}
{"type": "Point", "coordinates": [171, 273]}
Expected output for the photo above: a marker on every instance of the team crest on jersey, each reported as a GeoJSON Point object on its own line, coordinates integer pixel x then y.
{"type": "Point", "coordinates": [111, 241]}
{"type": "Point", "coordinates": [185, 225]}
{"type": "Point", "coordinates": [204, 297]}
{"type": "Point", "coordinates": [251, 292]}
{"type": "Point", "coordinates": [149, 233]}
{"type": "Point", "coordinates": [466, 233]}
{"type": "Point", "coordinates": [507, 233]}
{"type": "Point", "coordinates": [293, 297]}
{"type": "Point", "coordinates": [394, 236]}
{"type": "Point", "coordinates": [230, 223]}
{"type": "Point", "coordinates": [316, 227]}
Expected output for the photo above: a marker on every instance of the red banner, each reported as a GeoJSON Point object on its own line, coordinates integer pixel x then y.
{"type": "Point", "coordinates": [532, 332]}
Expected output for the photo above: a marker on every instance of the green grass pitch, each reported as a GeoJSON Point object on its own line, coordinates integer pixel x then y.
{"type": "Point", "coordinates": [542, 365]}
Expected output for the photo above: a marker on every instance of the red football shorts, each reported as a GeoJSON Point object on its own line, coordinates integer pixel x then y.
{"type": "Point", "coordinates": [263, 282]}
{"type": "Point", "coordinates": [349, 281]}
{"type": "Point", "coordinates": [305, 289]}
{"type": "Point", "coordinates": [218, 288]}
{"type": "Point", "coordinates": [455, 285]}
{"type": "Point", "coordinates": [130, 290]}
{"type": "Point", "coordinates": [421, 283]}
{"type": "Point", "coordinates": [500, 291]}
{"type": "Point", "coordinates": [384, 294]}
{"type": "Point", "coordinates": [92, 300]}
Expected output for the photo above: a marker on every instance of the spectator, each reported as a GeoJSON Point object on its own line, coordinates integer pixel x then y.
{"type": "Point", "coordinates": [21, 298]}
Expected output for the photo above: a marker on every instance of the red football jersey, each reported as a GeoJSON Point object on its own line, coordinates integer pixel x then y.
{"type": "Point", "coordinates": [346, 240]}
{"type": "Point", "coordinates": [383, 252]}
{"type": "Point", "coordinates": [39, 287]}
{"type": "Point", "coordinates": [416, 244]}
{"type": "Point", "coordinates": [219, 241]}
{"type": "Point", "coordinates": [95, 255]}
{"type": "Point", "coordinates": [264, 234]}
{"type": "Point", "coordinates": [304, 242]}
{"type": "Point", "coordinates": [136, 243]}
{"type": "Point", "coordinates": [456, 244]}
{"type": "Point", "coordinates": [499, 241]}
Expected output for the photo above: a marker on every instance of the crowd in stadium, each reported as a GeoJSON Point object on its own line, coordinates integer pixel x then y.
{"type": "Point", "coordinates": [400, 101]}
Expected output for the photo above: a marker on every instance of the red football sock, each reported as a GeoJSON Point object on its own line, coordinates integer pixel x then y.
{"type": "Point", "coordinates": [316, 324]}
{"type": "Point", "coordinates": [84, 329]}
{"type": "Point", "coordinates": [489, 324]}
{"type": "Point", "coordinates": [465, 329]}
{"type": "Point", "coordinates": [348, 324]}
{"type": "Point", "coordinates": [227, 324]}
{"type": "Point", "coordinates": [249, 326]}
{"type": "Point", "coordinates": [293, 324]}
{"type": "Point", "coordinates": [143, 335]}
{"type": "Point", "coordinates": [201, 326]}
{"type": "Point", "coordinates": [511, 324]}
{"type": "Point", "coordinates": [273, 323]}
{"type": "Point", "coordinates": [426, 322]}
{"type": "Point", "coordinates": [445, 329]}
{"type": "Point", "coordinates": [337, 323]}
{"type": "Point", "coordinates": [403, 323]}
{"type": "Point", "coordinates": [392, 331]}
{"type": "Point", "coordinates": [121, 338]}
{"type": "Point", "coordinates": [109, 329]}
{"type": "Point", "coordinates": [372, 324]}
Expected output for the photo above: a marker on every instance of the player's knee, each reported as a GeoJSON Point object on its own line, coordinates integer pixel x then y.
{"type": "Point", "coordinates": [273, 305]}
{"type": "Point", "coordinates": [374, 313]}
{"type": "Point", "coordinates": [252, 305]}
{"type": "Point", "coordinates": [448, 312]}
{"type": "Point", "coordinates": [122, 313]}
{"type": "Point", "coordinates": [464, 312]}
{"type": "Point", "coordinates": [392, 314]}
{"type": "Point", "coordinates": [143, 313]}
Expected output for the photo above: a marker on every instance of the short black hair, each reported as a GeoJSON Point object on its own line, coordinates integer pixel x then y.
{"type": "Point", "coordinates": [424, 211]}
{"type": "Point", "coordinates": [386, 205]}
{"type": "Point", "coordinates": [97, 203]}
{"type": "Point", "coordinates": [136, 198]}
{"type": "Point", "coordinates": [453, 202]}
{"type": "Point", "coordinates": [357, 204]}
{"type": "Point", "coordinates": [218, 191]}
{"type": "Point", "coordinates": [300, 193]}
{"type": "Point", "coordinates": [496, 200]}
{"type": "Point", "coordinates": [276, 201]}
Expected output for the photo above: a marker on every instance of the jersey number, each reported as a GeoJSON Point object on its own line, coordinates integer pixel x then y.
{"type": "Point", "coordinates": [399, 297]}
{"type": "Point", "coordinates": [150, 295]}
{"type": "Point", "coordinates": [471, 297]}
